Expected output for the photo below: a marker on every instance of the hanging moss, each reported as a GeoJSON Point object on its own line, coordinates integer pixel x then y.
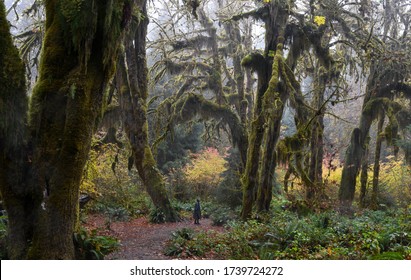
{"type": "Point", "coordinates": [80, 20]}
{"type": "Point", "coordinates": [256, 62]}
{"type": "Point", "coordinates": [199, 41]}
{"type": "Point", "coordinates": [194, 104]}
{"type": "Point", "coordinates": [65, 104]}
{"type": "Point", "coordinates": [404, 118]}
{"type": "Point", "coordinates": [390, 107]}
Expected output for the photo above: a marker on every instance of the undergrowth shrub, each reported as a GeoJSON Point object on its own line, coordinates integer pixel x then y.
{"type": "Point", "coordinates": [221, 215]}
{"type": "Point", "coordinates": [229, 190]}
{"type": "Point", "coordinates": [200, 177]}
{"type": "Point", "coordinates": [157, 216]}
{"type": "Point", "coordinates": [90, 246]}
{"type": "Point", "coordinates": [186, 209]}
{"type": "Point", "coordinates": [116, 191]}
{"type": "Point", "coordinates": [285, 234]}
{"type": "Point", "coordinates": [182, 245]}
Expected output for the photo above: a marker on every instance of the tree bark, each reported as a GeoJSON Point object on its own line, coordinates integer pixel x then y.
{"type": "Point", "coordinates": [133, 100]}
{"type": "Point", "coordinates": [269, 162]}
{"type": "Point", "coordinates": [364, 174]}
{"type": "Point", "coordinates": [13, 142]}
{"type": "Point", "coordinates": [356, 149]}
{"type": "Point", "coordinates": [315, 168]}
{"type": "Point", "coordinates": [268, 100]}
{"type": "Point", "coordinates": [215, 82]}
{"type": "Point", "coordinates": [250, 176]}
{"type": "Point", "coordinates": [376, 170]}
{"type": "Point", "coordinates": [64, 107]}
{"type": "Point", "coordinates": [236, 52]}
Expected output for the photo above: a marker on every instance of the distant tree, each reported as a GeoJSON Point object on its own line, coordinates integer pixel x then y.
{"type": "Point", "coordinates": [387, 50]}
{"type": "Point", "coordinates": [405, 144]}
{"type": "Point", "coordinates": [194, 54]}
{"type": "Point", "coordinates": [203, 173]}
{"type": "Point", "coordinates": [133, 83]}
{"type": "Point", "coordinates": [174, 150]}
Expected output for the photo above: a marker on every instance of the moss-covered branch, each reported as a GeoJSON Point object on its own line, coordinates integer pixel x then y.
{"type": "Point", "coordinates": [260, 13]}
{"type": "Point", "coordinates": [199, 41]}
{"type": "Point", "coordinates": [196, 105]}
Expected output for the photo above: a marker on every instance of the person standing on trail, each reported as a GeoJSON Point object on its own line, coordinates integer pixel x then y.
{"type": "Point", "coordinates": [197, 212]}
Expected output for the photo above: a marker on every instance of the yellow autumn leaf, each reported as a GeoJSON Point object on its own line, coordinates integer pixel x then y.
{"type": "Point", "coordinates": [319, 20]}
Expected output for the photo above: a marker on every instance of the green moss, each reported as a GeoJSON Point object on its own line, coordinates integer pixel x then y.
{"type": "Point", "coordinates": [388, 256]}
{"type": "Point", "coordinates": [83, 21]}
{"type": "Point", "coordinates": [255, 61]}
{"type": "Point", "coordinates": [65, 105]}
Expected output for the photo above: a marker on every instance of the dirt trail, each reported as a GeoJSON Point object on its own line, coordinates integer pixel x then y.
{"type": "Point", "coordinates": [141, 240]}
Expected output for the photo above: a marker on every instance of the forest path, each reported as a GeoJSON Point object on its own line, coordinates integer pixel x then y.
{"type": "Point", "coordinates": [142, 240]}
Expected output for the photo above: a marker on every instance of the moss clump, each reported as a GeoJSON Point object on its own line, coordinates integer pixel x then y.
{"type": "Point", "coordinates": [255, 61]}
{"type": "Point", "coordinates": [83, 21]}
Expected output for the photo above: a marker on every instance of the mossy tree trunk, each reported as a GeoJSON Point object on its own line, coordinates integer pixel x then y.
{"type": "Point", "coordinates": [315, 189]}
{"type": "Point", "coordinates": [248, 72]}
{"type": "Point", "coordinates": [215, 82]}
{"type": "Point", "coordinates": [111, 137]}
{"type": "Point", "coordinates": [65, 104]}
{"type": "Point", "coordinates": [250, 175]}
{"type": "Point", "coordinates": [267, 114]}
{"type": "Point", "coordinates": [326, 71]}
{"type": "Point", "coordinates": [351, 168]}
{"type": "Point", "coordinates": [14, 164]}
{"type": "Point", "coordinates": [133, 100]}
{"type": "Point", "coordinates": [236, 51]}
{"type": "Point", "coordinates": [273, 108]}
{"type": "Point", "coordinates": [282, 86]}
{"type": "Point", "coordinates": [364, 174]}
{"type": "Point", "coordinates": [268, 159]}
{"type": "Point", "coordinates": [377, 155]}
{"type": "Point", "coordinates": [356, 150]}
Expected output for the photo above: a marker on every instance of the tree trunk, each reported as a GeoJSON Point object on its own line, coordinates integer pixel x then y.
{"type": "Point", "coordinates": [62, 138]}
{"type": "Point", "coordinates": [215, 82]}
{"type": "Point", "coordinates": [64, 107]}
{"type": "Point", "coordinates": [376, 170]}
{"type": "Point", "coordinates": [269, 162]}
{"type": "Point", "coordinates": [356, 149]}
{"type": "Point", "coordinates": [364, 174]}
{"type": "Point", "coordinates": [315, 168]}
{"type": "Point", "coordinates": [268, 79]}
{"type": "Point", "coordinates": [316, 159]}
{"type": "Point", "coordinates": [236, 52]}
{"type": "Point", "coordinates": [13, 146]}
{"type": "Point", "coordinates": [133, 100]}
{"type": "Point", "coordinates": [351, 168]}
{"type": "Point", "coordinates": [250, 176]}
{"type": "Point", "coordinates": [111, 137]}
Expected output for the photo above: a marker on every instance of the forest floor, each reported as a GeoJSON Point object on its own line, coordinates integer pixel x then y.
{"type": "Point", "coordinates": [142, 240]}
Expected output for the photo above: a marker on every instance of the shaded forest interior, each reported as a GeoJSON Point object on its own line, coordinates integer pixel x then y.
{"type": "Point", "coordinates": [289, 120]}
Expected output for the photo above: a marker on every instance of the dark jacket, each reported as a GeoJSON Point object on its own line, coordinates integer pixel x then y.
{"type": "Point", "coordinates": [197, 210]}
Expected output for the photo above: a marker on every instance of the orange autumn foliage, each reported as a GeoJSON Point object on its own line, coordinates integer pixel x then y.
{"type": "Point", "coordinates": [203, 174]}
